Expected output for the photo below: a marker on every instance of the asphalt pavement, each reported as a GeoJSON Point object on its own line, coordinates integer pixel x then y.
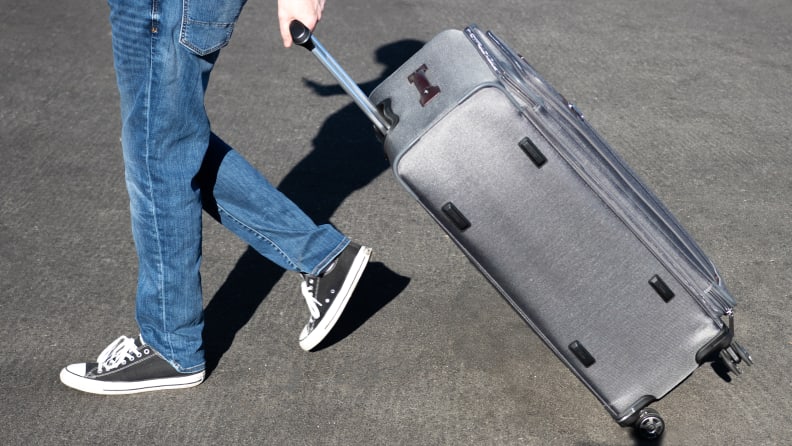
{"type": "Point", "coordinates": [694, 94]}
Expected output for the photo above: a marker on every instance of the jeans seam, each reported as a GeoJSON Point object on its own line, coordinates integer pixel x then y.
{"type": "Point", "coordinates": [184, 20]}
{"type": "Point", "coordinates": [258, 235]}
{"type": "Point", "coordinates": [150, 191]}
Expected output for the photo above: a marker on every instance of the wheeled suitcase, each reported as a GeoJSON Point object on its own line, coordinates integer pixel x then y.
{"type": "Point", "coordinates": [584, 252]}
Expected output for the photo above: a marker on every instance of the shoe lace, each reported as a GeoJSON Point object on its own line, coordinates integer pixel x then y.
{"type": "Point", "coordinates": [308, 288]}
{"type": "Point", "coordinates": [117, 353]}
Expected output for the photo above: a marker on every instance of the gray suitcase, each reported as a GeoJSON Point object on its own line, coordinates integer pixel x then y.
{"type": "Point", "coordinates": [584, 252]}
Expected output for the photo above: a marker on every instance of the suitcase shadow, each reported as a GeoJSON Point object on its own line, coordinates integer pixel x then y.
{"type": "Point", "coordinates": [346, 156]}
{"type": "Point", "coordinates": [637, 441]}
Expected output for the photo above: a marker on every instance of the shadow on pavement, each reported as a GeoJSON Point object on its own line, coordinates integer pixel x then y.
{"type": "Point", "coordinates": [378, 286]}
{"type": "Point", "coordinates": [346, 157]}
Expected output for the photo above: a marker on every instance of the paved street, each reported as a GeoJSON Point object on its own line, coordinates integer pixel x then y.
{"type": "Point", "coordinates": [695, 95]}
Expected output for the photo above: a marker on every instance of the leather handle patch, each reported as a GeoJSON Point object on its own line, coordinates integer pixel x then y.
{"type": "Point", "coordinates": [422, 84]}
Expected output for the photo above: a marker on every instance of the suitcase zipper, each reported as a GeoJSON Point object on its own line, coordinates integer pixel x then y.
{"type": "Point", "coordinates": [713, 298]}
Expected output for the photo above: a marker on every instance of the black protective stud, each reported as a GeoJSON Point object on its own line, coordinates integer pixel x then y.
{"type": "Point", "coordinates": [662, 289]}
{"type": "Point", "coordinates": [456, 216]}
{"type": "Point", "coordinates": [532, 151]}
{"type": "Point", "coordinates": [582, 354]}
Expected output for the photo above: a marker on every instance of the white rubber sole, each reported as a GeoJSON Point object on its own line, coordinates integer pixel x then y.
{"type": "Point", "coordinates": [84, 384]}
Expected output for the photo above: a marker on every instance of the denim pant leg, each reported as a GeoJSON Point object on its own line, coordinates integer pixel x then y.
{"type": "Point", "coordinates": [239, 197]}
{"type": "Point", "coordinates": [165, 137]}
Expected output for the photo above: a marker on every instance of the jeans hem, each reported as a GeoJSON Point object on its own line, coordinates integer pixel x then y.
{"type": "Point", "coordinates": [186, 370]}
{"type": "Point", "coordinates": [330, 257]}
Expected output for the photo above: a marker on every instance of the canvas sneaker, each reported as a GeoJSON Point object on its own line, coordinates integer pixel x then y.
{"type": "Point", "coordinates": [127, 366]}
{"type": "Point", "coordinates": [328, 293]}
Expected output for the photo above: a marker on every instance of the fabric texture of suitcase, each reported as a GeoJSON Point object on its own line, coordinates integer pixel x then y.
{"type": "Point", "coordinates": [559, 224]}
{"type": "Point", "coordinates": [556, 221]}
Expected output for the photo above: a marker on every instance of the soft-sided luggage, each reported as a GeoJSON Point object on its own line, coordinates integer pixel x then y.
{"type": "Point", "coordinates": [584, 252]}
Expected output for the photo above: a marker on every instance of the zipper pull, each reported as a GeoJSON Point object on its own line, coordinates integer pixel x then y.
{"type": "Point", "coordinates": [576, 111]}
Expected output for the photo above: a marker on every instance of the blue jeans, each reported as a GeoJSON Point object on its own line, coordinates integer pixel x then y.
{"type": "Point", "coordinates": [164, 51]}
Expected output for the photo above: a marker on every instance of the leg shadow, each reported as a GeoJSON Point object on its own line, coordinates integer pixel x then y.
{"type": "Point", "coordinates": [235, 302]}
{"type": "Point", "coordinates": [378, 286]}
{"type": "Point", "coordinates": [346, 157]}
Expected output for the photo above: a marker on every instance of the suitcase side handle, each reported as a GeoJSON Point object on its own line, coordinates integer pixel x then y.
{"type": "Point", "coordinates": [303, 37]}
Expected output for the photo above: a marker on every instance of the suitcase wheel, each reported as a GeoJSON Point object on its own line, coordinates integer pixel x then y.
{"type": "Point", "coordinates": [650, 424]}
{"type": "Point", "coordinates": [742, 353]}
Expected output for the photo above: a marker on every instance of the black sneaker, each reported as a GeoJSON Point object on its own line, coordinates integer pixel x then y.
{"type": "Point", "coordinates": [328, 293]}
{"type": "Point", "coordinates": [127, 366]}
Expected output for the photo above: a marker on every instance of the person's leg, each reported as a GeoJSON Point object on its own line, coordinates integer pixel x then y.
{"type": "Point", "coordinates": [165, 133]}
{"type": "Point", "coordinates": [166, 138]}
{"type": "Point", "coordinates": [238, 196]}
{"type": "Point", "coordinates": [246, 203]}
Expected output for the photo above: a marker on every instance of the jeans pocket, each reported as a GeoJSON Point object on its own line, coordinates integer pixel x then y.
{"type": "Point", "coordinates": [207, 25]}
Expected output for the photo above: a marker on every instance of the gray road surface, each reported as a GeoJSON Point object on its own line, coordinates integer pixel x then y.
{"type": "Point", "coordinates": [694, 94]}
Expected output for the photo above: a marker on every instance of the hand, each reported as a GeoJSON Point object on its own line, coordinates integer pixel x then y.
{"type": "Point", "coordinates": [309, 12]}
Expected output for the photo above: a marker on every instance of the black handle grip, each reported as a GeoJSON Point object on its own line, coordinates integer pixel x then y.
{"type": "Point", "coordinates": [301, 35]}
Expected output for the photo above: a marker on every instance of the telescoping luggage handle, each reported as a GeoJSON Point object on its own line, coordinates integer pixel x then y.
{"type": "Point", "coordinates": [302, 36]}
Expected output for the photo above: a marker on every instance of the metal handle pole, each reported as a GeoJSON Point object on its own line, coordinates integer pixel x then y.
{"type": "Point", "coordinates": [302, 36]}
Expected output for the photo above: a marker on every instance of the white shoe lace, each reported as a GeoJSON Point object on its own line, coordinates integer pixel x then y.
{"type": "Point", "coordinates": [309, 293]}
{"type": "Point", "coordinates": [117, 354]}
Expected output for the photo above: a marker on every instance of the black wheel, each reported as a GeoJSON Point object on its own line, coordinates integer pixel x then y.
{"type": "Point", "coordinates": [649, 424]}
{"type": "Point", "coordinates": [729, 361]}
{"type": "Point", "coordinates": [742, 353]}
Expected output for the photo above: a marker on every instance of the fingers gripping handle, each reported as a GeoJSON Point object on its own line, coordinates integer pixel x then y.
{"type": "Point", "coordinates": [302, 36]}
